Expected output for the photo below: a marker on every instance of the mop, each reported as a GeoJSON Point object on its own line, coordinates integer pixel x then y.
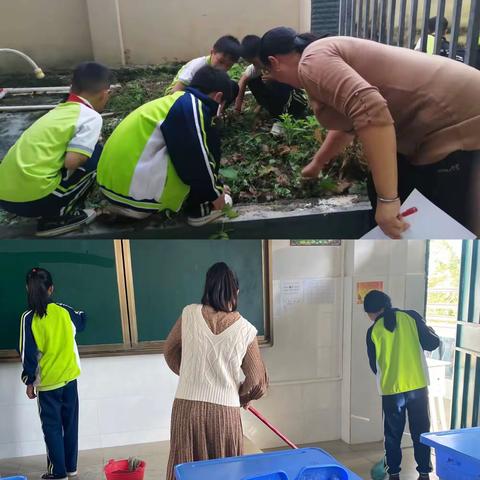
{"type": "Point", "coordinates": [271, 427]}
{"type": "Point", "coordinates": [377, 472]}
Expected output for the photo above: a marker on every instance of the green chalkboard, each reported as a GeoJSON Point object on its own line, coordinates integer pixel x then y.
{"type": "Point", "coordinates": [84, 275]}
{"type": "Point", "coordinates": [170, 274]}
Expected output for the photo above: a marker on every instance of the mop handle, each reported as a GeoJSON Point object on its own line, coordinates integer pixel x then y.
{"type": "Point", "coordinates": [271, 427]}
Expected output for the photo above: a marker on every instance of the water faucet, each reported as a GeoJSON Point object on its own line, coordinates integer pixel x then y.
{"type": "Point", "coordinates": [36, 69]}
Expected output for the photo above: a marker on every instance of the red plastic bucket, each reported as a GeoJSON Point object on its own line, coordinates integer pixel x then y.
{"type": "Point", "coordinates": [118, 470]}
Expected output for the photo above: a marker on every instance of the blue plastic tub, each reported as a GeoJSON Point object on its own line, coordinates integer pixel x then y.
{"type": "Point", "coordinates": [301, 464]}
{"type": "Point", "coordinates": [457, 453]}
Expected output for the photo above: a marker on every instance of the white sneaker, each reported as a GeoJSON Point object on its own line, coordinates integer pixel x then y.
{"type": "Point", "coordinates": [277, 129]}
{"type": "Point", "coordinates": [212, 216]}
{"type": "Point", "coordinates": [72, 474]}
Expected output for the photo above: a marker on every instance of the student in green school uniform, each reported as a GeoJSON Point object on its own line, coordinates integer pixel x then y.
{"type": "Point", "coordinates": [51, 366]}
{"type": "Point", "coordinates": [444, 45]}
{"type": "Point", "coordinates": [395, 345]}
{"type": "Point", "coordinates": [224, 54]}
{"type": "Point", "coordinates": [52, 166]}
{"type": "Point", "coordinates": [166, 154]}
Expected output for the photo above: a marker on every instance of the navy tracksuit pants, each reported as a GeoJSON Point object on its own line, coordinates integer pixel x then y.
{"type": "Point", "coordinates": [59, 416]}
{"type": "Point", "coordinates": [67, 197]}
{"type": "Point", "coordinates": [395, 409]}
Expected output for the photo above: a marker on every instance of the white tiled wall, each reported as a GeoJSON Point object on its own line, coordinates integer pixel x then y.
{"type": "Point", "coordinates": [128, 399]}
{"type": "Point", "coordinates": [123, 400]}
{"type": "Point", "coordinates": [305, 361]}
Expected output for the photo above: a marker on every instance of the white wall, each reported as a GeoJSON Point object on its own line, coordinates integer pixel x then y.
{"type": "Point", "coordinates": [62, 33]}
{"type": "Point", "coordinates": [305, 362]}
{"type": "Point", "coordinates": [318, 366]}
{"type": "Point", "coordinates": [123, 400]}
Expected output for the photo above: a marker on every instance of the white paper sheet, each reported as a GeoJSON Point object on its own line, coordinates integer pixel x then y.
{"type": "Point", "coordinates": [429, 222]}
{"type": "Point", "coordinates": [292, 292]}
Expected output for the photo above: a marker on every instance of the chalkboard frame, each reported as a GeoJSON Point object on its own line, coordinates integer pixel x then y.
{"type": "Point", "coordinates": [157, 346]}
{"type": "Point", "coordinates": [126, 294]}
{"type": "Point", "coordinates": [10, 355]}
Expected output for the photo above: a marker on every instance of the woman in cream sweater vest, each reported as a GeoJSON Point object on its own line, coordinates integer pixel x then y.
{"type": "Point", "coordinates": [215, 352]}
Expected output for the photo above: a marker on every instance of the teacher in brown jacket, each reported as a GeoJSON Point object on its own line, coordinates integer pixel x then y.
{"type": "Point", "coordinates": [417, 117]}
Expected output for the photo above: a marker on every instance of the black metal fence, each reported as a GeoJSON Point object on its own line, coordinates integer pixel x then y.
{"type": "Point", "coordinates": [403, 22]}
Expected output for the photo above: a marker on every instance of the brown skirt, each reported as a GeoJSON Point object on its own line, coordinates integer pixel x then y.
{"type": "Point", "coordinates": [203, 431]}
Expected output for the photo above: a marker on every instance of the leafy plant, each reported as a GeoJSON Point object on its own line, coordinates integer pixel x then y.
{"type": "Point", "coordinates": [236, 72]}
{"type": "Point", "coordinates": [230, 212]}
{"type": "Point", "coordinates": [229, 173]}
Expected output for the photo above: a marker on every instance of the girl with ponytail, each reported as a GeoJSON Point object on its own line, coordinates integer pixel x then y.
{"type": "Point", "coordinates": [51, 366]}
{"type": "Point", "coordinates": [39, 290]}
{"type": "Point", "coordinates": [395, 345]}
{"type": "Point", "coordinates": [388, 97]}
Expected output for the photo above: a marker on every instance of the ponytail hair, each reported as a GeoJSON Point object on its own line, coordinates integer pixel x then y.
{"type": "Point", "coordinates": [376, 301]}
{"type": "Point", "coordinates": [284, 40]}
{"type": "Point", "coordinates": [38, 282]}
{"type": "Point", "coordinates": [221, 288]}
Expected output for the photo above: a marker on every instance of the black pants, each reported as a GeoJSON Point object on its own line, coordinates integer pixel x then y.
{"type": "Point", "coordinates": [278, 98]}
{"type": "Point", "coordinates": [395, 409]}
{"type": "Point", "coordinates": [59, 416]}
{"type": "Point", "coordinates": [69, 194]}
{"type": "Point", "coordinates": [449, 184]}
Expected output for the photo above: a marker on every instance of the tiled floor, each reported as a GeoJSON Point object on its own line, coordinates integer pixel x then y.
{"type": "Point", "coordinates": [359, 458]}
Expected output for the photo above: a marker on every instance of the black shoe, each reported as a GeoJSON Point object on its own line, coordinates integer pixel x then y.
{"type": "Point", "coordinates": [50, 227]}
{"type": "Point", "coordinates": [396, 476]}
{"type": "Point", "coordinates": [424, 476]}
{"type": "Point", "coordinates": [52, 476]}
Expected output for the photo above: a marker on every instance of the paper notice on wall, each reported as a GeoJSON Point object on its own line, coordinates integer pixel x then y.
{"type": "Point", "coordinates": [292, 292]}
{"type": "Point", "coordinates": [429, 222]}
{"type": "Point", "coordinates": [319, 291]}
{"type": "Point", "coordinates": [364, 287]}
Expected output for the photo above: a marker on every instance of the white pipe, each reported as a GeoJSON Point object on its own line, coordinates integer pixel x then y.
{"type": "Point", "coordinates": [32, 108]}
{"type": "Point", "coordinates": [26, 108]}
{"type": "Point", "coordinates": [36, 69]}
{"type": "Point", "coordinates": [53, 90]}
{"type": "Point", "coordinates": [30, 90]}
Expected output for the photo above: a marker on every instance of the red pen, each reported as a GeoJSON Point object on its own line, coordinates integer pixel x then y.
{"type": "Point", "coordinates": [408, 212]}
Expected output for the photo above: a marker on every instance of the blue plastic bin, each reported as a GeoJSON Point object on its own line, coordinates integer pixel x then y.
{"type": "Point", "coordinates": [457, 453]}
{"type": "Point", "coordinates": [301, 464]}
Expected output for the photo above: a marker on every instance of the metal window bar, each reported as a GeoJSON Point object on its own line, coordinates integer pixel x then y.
{"type": "Point", "coordinates": [374, 22]}
{"type": "Point", "coordinates": [472, 33]}
{"type": "Point", "coordinates": [342, 17]}
{"type": "Point", "coordinates": [366, 19]}
{"type": "Point", "coordinates": [360, 19]}
{"type": "Point", "coordinates": [401, 23]}
{"type": "Point", "coordinates": [382, 21]}
{"type": "Point", "coordinates": [476, 401]}
{"type": "Point", "coordinates": [457, 14]}
{"type": "Point", "coordinates": [412, 31]}
{"type": "Point", "coordinates": [391, 22]}
{"type": "Point", "coordinates": [348, 17]}
{"type": "Point", "coordinates": [353, 18]}
{"type": "Point", "coordinates": [426, 16]}
{"type": "Point", "coordinates": [439, 27]}
{"type": "Point", "coordinates": [377, 20]}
